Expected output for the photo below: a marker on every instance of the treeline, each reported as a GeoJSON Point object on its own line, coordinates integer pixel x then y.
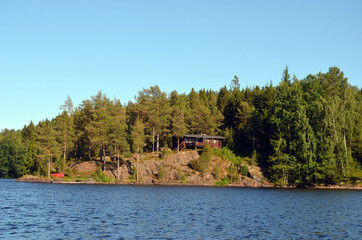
{"type": "Point", "coordinates": [301, 132]}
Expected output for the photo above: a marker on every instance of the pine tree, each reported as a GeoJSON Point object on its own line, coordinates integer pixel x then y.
{"type": "Point", "coordinates": [178, 124]}
{"type": "Point", "coordinates": [31, 159]}
{"type": "Point", "coordinates": [47, 145]}
{"type": "Point", "coordinates": [65, 134]}
{"type": "Point", "coordinates": [97, 126]}
{"type": "Point", "coordinates": [138, 140]}
{"type": "Point", "coordinates": [116, 130]}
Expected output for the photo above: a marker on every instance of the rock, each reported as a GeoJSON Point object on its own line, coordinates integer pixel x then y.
{"type": "Point", "coordinates": [86, 168]}
{"type": "Point", "coordinates": [249, 182]}
{"type": "Point", "coordinates": [267, 185]}
{"type": "Point", "coordinates": [182, 158]}
{"type": "Point", "coordinates": [31, 178]}
{"type": "Point", "coordinates": [256, 173]}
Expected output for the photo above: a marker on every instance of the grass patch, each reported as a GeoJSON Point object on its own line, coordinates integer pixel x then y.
{"type": "Point", "coordinates": [99, 176]}
{"type": "Point", "coordinates": [222, 182]}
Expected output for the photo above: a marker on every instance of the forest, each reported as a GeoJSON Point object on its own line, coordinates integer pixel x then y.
{"type": "Point", "coordinates": [302, 131]}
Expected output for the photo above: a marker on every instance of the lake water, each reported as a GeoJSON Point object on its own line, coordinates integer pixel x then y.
{"type": "Point", "coordinates": [59, 211]}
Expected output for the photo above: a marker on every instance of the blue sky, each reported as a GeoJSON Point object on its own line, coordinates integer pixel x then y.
{"type": "Point", "coordinates": [52, 49]}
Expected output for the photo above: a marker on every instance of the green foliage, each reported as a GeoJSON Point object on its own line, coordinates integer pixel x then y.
{"type": "Point", "coordinates": [223, 182]}
{"type": "Point", "coordinates": [226, 154]}
{"type": "Point", "coordinates": [99, 176]}
{"type": "Point", "coordinates": [232, 172]}
{"type": "Point", "coordinates": [69, 172]}
{"type": "Point", "coordinates": [133, 172]}
{"type": "Point", "coordinates": [12, 154]}
{"type": "Point", "coordinates": [202, 164]}
{"type": "Point", "coordinates": [244, 170]}
{"type": "Point", "coordinates": [217, 171]}
{"type": "Point", "coordinates": [180, 176]}
{"type": "Point", "coordinates": [302, 131]}
{"type": "Point", "coordinates": [165, 152]}
{"type": "Point", "coordinates": [31, 165]}
{"type": "Point", "coordinates": [161, 173]}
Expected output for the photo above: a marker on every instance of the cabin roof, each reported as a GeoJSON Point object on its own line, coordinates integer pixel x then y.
{"type": "Point", "coordinates": [204, 136]}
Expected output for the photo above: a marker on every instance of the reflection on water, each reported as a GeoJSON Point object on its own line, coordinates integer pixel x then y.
{"type": "Point", "coordinates": [54, 211]}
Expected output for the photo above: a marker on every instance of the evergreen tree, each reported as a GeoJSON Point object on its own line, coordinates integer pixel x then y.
{"type": "Point", "coordinates": [97, 126]}
{"type": "Point", "coordinates": [116, 130]}
{"type": "Point", "coordinates": [47, 146]}
{"type": "Point", "coordinates": [31, 165]}
{"type": "Point", "coordinates": [65, 134]}
{"type": "Point", "coordinates": [138, 139]}
{"type": "Point", "coordinates": [178, 124]}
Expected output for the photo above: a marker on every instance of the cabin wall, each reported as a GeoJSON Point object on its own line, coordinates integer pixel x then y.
{"type": "Point", "coordinates": [200, 142]}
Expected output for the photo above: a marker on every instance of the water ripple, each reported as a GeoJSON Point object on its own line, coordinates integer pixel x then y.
{"type": "Point", "coordinates": [49, 211]}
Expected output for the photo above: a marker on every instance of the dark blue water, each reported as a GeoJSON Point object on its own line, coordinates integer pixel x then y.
{"type": "Point", "coordinates": [52, 211]}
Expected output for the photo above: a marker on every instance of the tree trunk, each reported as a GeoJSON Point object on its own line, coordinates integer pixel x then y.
{"type": "Point", "coordinates": [118, 164]}
{"type": "Point", "coordinates": [104, 157]}
{"type": "Point", "coordinates": [138, 157]}
{"type": "Point", "coordinates": [49, 162]}
{"type": "Point", "coordinates": [158, 141]}
{"type": "Point", "coordinates": [178, 144]}
{"type": "Point", "coordinates": [65, 145]}
{"type": "Point", "coordinates": [153, 140]}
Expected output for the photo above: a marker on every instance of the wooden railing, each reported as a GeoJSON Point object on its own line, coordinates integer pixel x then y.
{"type": "Point", "coordinates": [182, 146]}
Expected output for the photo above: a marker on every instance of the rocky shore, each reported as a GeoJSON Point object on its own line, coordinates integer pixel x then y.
{"type": "Point", "coordinates": [246, 183]}
{"type": "Point", "coordinates": [173, 170]}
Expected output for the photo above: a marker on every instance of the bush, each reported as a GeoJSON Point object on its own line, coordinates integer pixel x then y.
{"type": "Point", "coordinates": [165, 152]}
{"type": "Point", "coordinates": [217, 171]}
{"type": "Point", "coordinates": [180, 176]}
{"type": "Point", "coordinates": [69, 172]}
{"type": "Point", "coordinates": [161, 171]}
{"type": "Point", "coordinates": [252, 160]}
{"type": "Point", "coordinates": [232, 173]}
{"type": "Point", "coordinates": [99, 176]}
{"type": "Point", "coordinates": [244, 170]}
{"type": "Point", "coordinates": [223, 182]}
{"type": "Point", "coordinates": [226, 154]}
{"type": "Point", "coordinates": [133, 173]}
{"type": "Point", "coordinates": [202, 164]}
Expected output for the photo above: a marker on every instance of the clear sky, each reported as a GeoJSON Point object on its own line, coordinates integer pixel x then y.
{"type": "Point", "coordinates": [52, 49]}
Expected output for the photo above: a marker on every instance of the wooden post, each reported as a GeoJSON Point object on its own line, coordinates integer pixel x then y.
{"type": "Point", "coordinates": [178, 144]}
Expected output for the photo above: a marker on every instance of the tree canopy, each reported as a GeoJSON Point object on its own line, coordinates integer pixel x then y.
{"type": "Point", "coordinates": [302, 131]}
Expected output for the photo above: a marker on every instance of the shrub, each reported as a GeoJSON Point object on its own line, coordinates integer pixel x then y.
{"type": "Point", "coordinates": [133, 173]}
{"type": "Point", "coordinates": [180, 176]}
{"type": "Point", "coordinates": [232, 173]}
{"type": "Point", "coordinates": [165, 152]}
{"type": "Point", "coordinates": [161, 172]}
{"type": "Point", "coordinates": [244, 170]}
{"type": "Point", "coordinates": [69, 172]}
{"type": "Point", "coordinates": [202, 164]}
{"type": "Point", "coordinates": [217, 171]}
{"type": "Point", "coordinates": [99, 176]}
{"type": "Point", "coordinates": [226, 154]}
{"type": "Point", "coordinates": [253, 159]}
{"type": "Point", "coordinates": [223, 182]}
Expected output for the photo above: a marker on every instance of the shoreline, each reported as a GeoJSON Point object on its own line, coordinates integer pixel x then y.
{"type": "Point", "coordinates": [35, 179]}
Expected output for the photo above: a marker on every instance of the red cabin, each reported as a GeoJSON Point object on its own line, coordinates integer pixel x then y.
{"type": "Point", "coordinates": [199, 141]}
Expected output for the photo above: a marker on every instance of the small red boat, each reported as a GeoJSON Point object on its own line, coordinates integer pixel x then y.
{"type": "Point", "coordinates": [57, 175]}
